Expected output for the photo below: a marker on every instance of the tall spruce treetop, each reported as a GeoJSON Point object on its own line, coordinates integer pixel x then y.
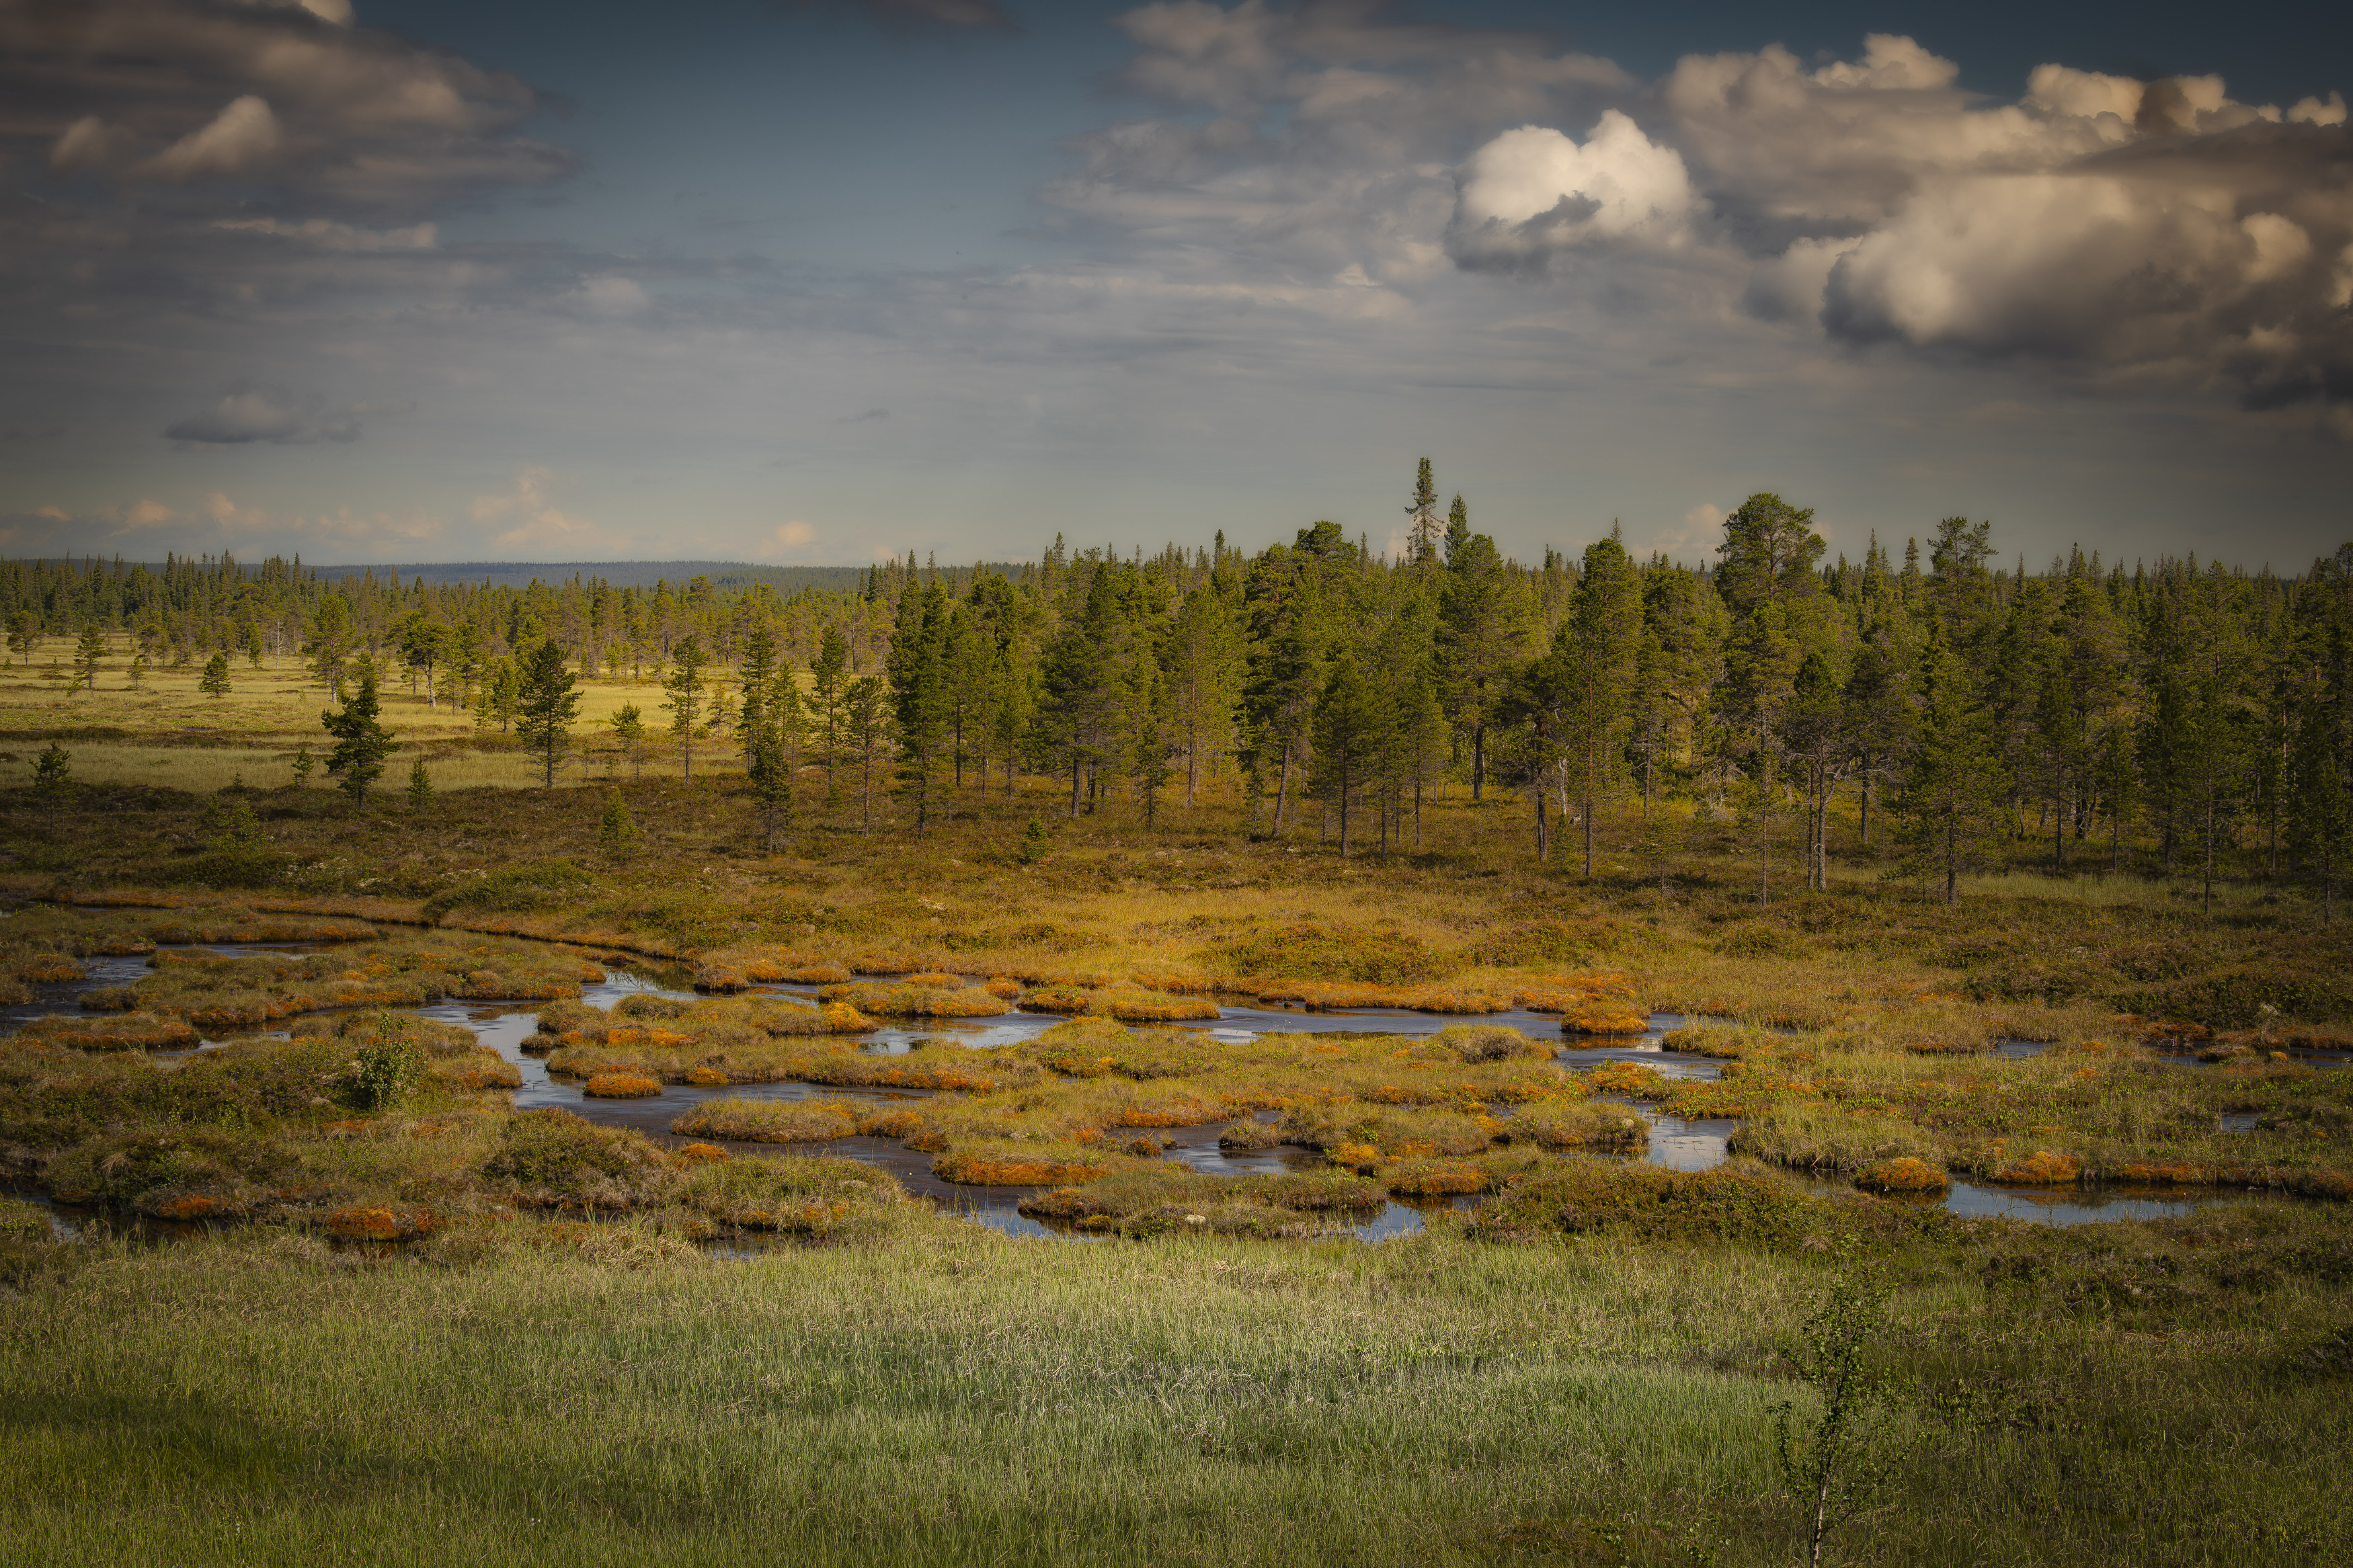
{"type": "Point", "coordinates": [1425, 535]}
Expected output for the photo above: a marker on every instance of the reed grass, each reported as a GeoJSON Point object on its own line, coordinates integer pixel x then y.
{"type": "Point", "coordinates": [580, 1395]}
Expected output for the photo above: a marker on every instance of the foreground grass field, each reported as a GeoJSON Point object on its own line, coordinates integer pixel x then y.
{"type": "Point", "coordinates": [2151, 1396]}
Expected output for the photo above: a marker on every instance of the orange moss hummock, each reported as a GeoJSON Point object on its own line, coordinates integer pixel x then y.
{"type": "Point", "coordinates": [2041, 1169]}
{"type": "Point", "coordinates": [990, 1170]}
{"type": "Point", "coordinates": [621, 1086]}
{"type": "Point", "coordinates": [1902, 1175]}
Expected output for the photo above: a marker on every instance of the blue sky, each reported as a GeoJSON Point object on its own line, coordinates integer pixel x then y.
{"type": "Point", "coordinates": [425, 280]}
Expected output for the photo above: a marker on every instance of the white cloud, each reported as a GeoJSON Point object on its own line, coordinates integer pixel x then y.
{"type": "Point", "coordinates": [148, 514]}
{"type": "Point", "coordinates": [1532, 192]}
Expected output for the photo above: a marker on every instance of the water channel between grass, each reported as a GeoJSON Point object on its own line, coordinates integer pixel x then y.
{"type": "Point", "coordinates": [1674, 1142]}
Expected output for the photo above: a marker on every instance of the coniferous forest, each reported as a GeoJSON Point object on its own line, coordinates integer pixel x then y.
{"type": "Point", "coordinates": [1967, 711]}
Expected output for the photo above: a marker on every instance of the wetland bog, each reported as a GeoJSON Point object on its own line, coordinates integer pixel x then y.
{"type": "Point", "coordinates": [968, 1208]}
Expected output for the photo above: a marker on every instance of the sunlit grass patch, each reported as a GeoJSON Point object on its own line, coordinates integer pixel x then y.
{"type": "Point", "coordinates": [769, 1121]}
{"type": "Point", "coordinates": [121, 1032]}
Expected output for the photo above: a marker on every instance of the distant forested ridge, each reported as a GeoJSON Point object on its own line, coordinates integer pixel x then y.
{"type": "Point", "coordinates": [2174, 715]}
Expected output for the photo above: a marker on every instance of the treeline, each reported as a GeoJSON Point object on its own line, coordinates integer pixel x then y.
{"type": "Point", "coordinates": [2174, 715]}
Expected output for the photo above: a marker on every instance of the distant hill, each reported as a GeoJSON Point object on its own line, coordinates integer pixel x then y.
{"type": "Point", "coordinates": [639, 573]}
{"type": "Point", "coordinates": [620, 573]}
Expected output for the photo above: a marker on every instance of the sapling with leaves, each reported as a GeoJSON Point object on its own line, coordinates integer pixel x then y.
{"type": "Point", "coordinates": [1835, 1458]}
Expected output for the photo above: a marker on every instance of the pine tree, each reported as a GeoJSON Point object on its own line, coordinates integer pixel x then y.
{"type": "Point", "coordinates": [327, 644]}
{"type": "Point", "coordinates": [89, 653]}
{"type": "Point", "coordinates": [361, 743]}
{"type": "Point", "coordinates": [1948, 800]}
{"type": "Point", "coordinates": [1603, 635]}
{"type": "Point", "coordinates": [420, 787]}
{"type": "Point", "coordinates": [1205, 664]}
{"type": "Point", "coordinates": [866, 718]}
{"type": "Point", "coordinates": [685, 688]}
{"type": "Point", "coordinates": [546, 707]}
{"type": "Point", "coordinates": [216, 677]}
{"type": "Point", "coordinates": [1482, 624]}
{"type": "Point", "coordinates": [617, 834]}
{"type": "Point", "coordinates": [24, 635]}
{"type": "Point", "coordinates": [918, 680]}
{"type": "Point", "coordinates": [1079, 670]}
{"type": "Point", "coordinates": [1351, 724]}
{"type": "Point", "coordinates": [303, 766]}
{"type": "Point", "coordinates": [829, 677]}
{"type": "Point", "coordinates": [1146, 714]}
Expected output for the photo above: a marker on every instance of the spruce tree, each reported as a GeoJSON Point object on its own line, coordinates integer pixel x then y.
{"type": "Point", "coordinates": [88, 654]}
{"type": "Point", "coordinates": [361, 743]}
{"type": "Point", "coordinates": [216, 675]}
{"type": "Point", "coordinates": [629, 730]}
{"type": "Point", "coordinates": [420, 787]}
{"type": "Point", "coordinates": [53, 782]}
{"type": "Point", "coordinates": [546, 706]}
{"type": "Point", "coordinates": [685, 688]}
{"type": "Point", "coordinates": [1948, 802]}
{"type": "Point", "coordinates": [617, 834]}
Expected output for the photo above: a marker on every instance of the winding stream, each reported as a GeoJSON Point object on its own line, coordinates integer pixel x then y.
{"type": "Point", "coordinates": [1674, 1143]}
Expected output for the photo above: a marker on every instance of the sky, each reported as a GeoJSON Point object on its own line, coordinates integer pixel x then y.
{"type": "Point", "coordinates": [814, 281]}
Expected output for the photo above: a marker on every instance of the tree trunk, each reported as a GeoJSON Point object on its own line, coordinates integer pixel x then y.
{"type": "Point", "coordinates": [1478, 760]}
{"type": "Point", "coordinates": [1587, 805]}
{"type": "Point", "coordinates": [1074, 786]}
{"type": "Point", "coordinates": [1282, 790]}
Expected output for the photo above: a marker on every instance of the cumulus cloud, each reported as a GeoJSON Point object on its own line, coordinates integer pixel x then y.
{"type": "Point", "coordinates": [1321, 139]}
{"type": "Point", "coordinates": [248, 415]}
{"type": "Point", "coordinates": [2106, 226]}
{"type": "Point", "coordinates": [1533, 193]}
